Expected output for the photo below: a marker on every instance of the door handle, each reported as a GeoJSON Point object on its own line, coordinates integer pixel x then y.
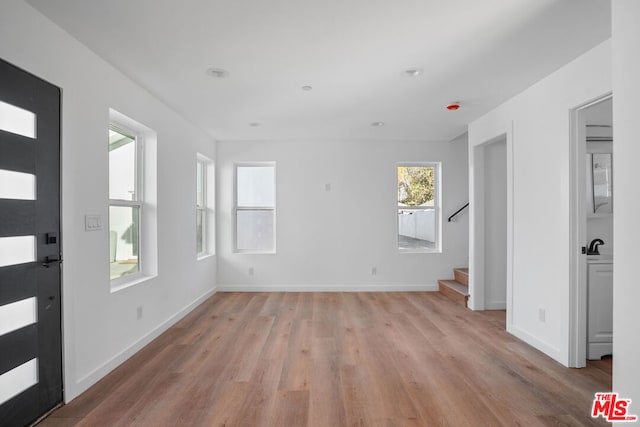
{"type": "Point", "coordinates": [49, 261]}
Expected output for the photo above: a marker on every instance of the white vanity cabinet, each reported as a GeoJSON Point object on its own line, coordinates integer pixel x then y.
{"type": "Point", "coordinates": [600, 310]}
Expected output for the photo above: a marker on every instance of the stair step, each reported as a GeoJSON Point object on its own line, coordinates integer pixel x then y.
{"type": "Point", "coordinates": [454, 290]}
{"type": "Point", "coordinates": [461, 275]}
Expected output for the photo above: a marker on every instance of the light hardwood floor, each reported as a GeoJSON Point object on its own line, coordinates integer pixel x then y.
{"type": "Point", "coordinates": [338, 359]}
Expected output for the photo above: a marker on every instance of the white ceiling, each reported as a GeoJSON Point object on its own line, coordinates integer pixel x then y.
{"type": "Point", "coordinates": [353, 53]}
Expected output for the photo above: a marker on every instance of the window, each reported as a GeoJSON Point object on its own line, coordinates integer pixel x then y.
{"type": "Point", "coordinates": [418, 207]}
{"type": "Point", "coordinates": [201, 208]}
{"type": "Point", "coordinates": [255, 211]}
{"type": "Point", "coordinates": [205, 199]}
{"type": "Point", "coordinates": [125, 201]}
{"type": "Point", "coordinates": [133, 201]}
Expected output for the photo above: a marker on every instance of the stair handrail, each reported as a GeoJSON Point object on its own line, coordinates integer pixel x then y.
{"type": "Point", "coordinates": [457, 212]}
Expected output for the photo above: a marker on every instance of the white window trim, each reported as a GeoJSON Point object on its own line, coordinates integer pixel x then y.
{"type": "Point", "coordinates": [437, 208]}
{"type": "Point", "coordinates": [208, 208]}
{"type": "Point", "coordinates": [146, 195]}
{"type": "Point", "coordinates": [236, 208]}
{"type": "Point", "coordinates": [203, 209]}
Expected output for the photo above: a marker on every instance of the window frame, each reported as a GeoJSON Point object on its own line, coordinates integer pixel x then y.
{"type": "Point", "coordinates": [207, 208]}
{"type": "Point", "coordinates": [237, 208]}
{"type": "Point", "coordinates": [437, 206]}
{"type": "Point", "coordinates": [202, 209]}
{"type": "Point", "coordinates": [138, 201]}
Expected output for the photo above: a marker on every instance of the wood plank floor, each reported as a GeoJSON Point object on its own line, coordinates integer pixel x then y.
{"type": "Point", "coordinates": [338, 359]}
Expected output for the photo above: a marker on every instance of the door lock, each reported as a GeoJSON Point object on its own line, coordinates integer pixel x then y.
{"type": "Point", "coordinates": [51, 239]}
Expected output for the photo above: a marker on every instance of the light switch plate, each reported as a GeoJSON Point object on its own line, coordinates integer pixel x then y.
{"type": "Point", "coordinates": [92, 222]}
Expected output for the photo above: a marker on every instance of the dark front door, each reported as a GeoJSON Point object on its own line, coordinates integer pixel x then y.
{"type": "Point", "coordinates": [30, 326]}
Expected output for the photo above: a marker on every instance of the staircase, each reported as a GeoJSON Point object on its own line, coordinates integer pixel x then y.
{"type": "Point", "coordinates": [457, 289]}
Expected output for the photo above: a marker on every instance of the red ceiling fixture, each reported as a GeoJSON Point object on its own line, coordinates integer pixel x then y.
{"type": "Point", "coordinates": [453, 106]}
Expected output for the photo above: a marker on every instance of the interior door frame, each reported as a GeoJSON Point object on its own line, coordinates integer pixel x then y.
{"type": "Point", "coordinates": [476, 220]}
{"type": "Point", "coordinates": [578, 235]}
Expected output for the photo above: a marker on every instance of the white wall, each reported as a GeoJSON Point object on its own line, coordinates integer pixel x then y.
{"type": "Point", "coordinates": [626, 111]}
{"type": "Point", "coordinates": [100, 327]}
{"type": "Point", "coordinates": [599, 227]}
{"type": "Point", "coordinates": [330, 240]}
{"type": "Point", "coordinates": [495, 223]}
{"type": "Point", "coordinates": [536, 123]}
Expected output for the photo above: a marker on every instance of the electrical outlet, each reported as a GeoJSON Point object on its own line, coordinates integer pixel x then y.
{"type": "Point", "coordinates": [250, 271]}
{"type": "Point", "coordinates": [542, 315]}
{"type": "Point", "coordinates": [139, 312]}
{"type": "Point", "coordinates": [374, 270]}
{"type": "Point", "coordinates": [327, 187]}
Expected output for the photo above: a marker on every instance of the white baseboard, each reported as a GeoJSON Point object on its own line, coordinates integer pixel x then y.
{"type": "Point", "coordinates": [328, 288]}
{"type": "Point", "coordinates": [101, 371]}
{"type": "Point", "coordinates": [495, 305]}
{"type": "Point", "coordinates": [544, 347]}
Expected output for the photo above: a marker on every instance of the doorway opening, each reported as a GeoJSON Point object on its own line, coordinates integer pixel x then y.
{"type": "Point", "coordinates": [491, 239]}
{"type": "Point", "coordinates": [592, 258]}
{"type": "Point", "coordinates": [495, 230]}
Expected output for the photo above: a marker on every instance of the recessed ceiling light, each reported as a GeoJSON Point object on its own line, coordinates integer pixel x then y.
{"type": "Point", "coordinates": [218, 73]}
{"type": "Point", "coordinates": [307, 88]}
{"type": "Point", "coordinates": [377, 124]}
{"type": "Point", "coordinates": [254, 124]}
{"type": "Point", "coordinates": [413, 72]}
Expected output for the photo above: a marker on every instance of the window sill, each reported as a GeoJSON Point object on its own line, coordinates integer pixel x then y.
{"type": "Point", "coordinates": [204, 256]}
{"type": "Point", "coordinates": [136, 280]}
{"type": "Point", "coordinates": [419, 251]}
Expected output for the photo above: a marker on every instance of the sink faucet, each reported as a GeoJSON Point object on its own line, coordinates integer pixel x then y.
{"type": "Point", "coordinates": [593, 247]}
